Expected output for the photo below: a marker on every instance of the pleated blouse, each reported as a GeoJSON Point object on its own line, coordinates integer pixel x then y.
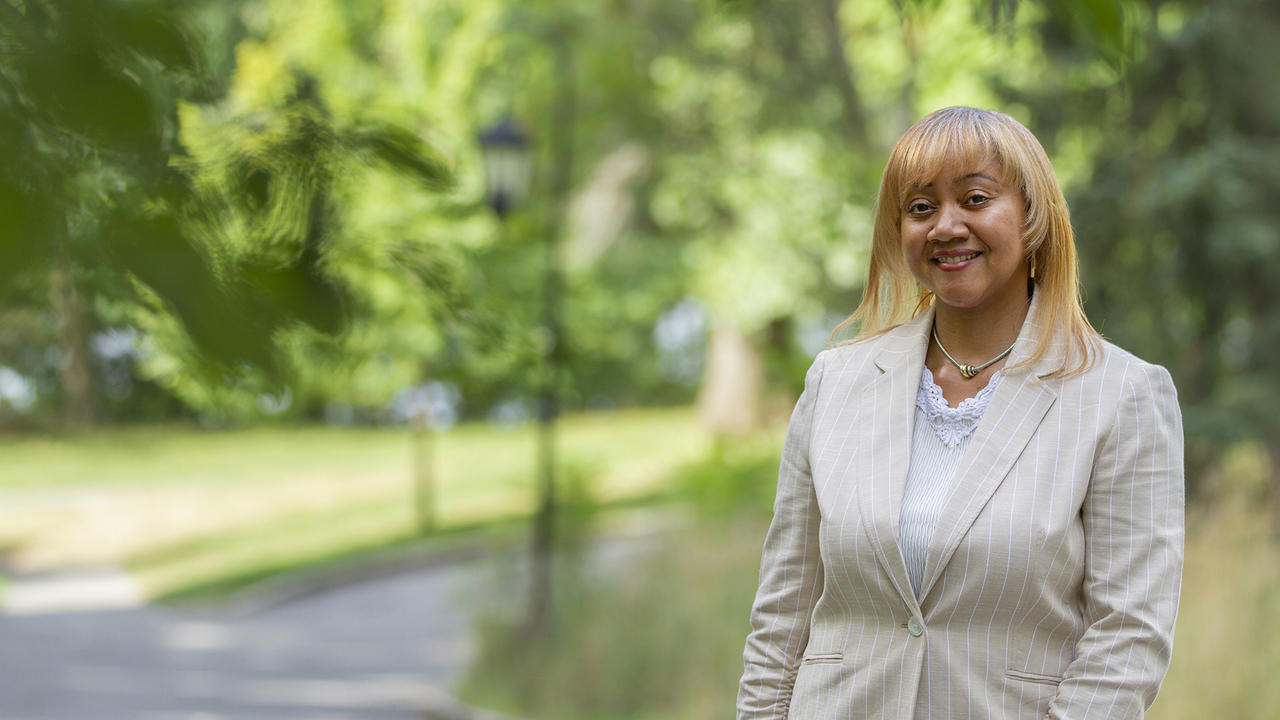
{"type": "Point", "coordinates": [938, 441]}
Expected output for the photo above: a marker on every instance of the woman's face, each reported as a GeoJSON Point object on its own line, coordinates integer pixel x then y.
{"type": "Point", "coordinates": [962, 238]}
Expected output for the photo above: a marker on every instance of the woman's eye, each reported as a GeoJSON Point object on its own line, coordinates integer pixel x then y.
{"type": "Point", "coordinates": [978, 199]}
{"type": "Point", "coordinates": [918, 208]}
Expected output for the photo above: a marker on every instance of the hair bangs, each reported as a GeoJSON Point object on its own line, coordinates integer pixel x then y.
{"type": "Point", "coordinates": [958, 140]}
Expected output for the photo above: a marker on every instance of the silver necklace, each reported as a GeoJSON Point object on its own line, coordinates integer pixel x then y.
{"type": "Point", "coordinates": [970, 370]}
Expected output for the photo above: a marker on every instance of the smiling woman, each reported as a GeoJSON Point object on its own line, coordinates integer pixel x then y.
{"type": "Point", "coordinates": [979, 508]}
{"type": "Point", "coordinates": [976, 161]}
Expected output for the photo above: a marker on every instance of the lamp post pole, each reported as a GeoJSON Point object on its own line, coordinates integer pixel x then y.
{"type": "Point", "coordinates": [506, 151]}
{"type": "Point", "coordinates": [561, 141]}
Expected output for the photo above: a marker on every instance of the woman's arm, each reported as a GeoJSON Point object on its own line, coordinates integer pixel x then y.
{"type": "Point", "coordinates": [1133, 525]}
{"type": "Point", "coordinates": [790, 574]}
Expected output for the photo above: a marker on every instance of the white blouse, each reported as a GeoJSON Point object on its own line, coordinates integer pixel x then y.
{"type": "Point", "coordinates": [938, 442]}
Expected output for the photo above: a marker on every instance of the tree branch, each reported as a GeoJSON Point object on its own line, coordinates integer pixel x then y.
{"type": "Point", "coordinates": [855, 115]}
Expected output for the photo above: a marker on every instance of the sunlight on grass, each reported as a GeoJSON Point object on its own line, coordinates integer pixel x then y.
{"type": "Point", "coordinates": [185, 508]}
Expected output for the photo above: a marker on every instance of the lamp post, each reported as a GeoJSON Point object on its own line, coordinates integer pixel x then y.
{"type": "Point", "coordinates": [507, 164]}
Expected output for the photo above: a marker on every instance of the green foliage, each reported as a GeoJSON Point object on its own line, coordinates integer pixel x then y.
{"type": "Point", "coordinates": [86, 127]}
{"type": "Point", "coordinates": [286, 164]}
{"type": "Point", "coordinates": [280, 201]}
{"type": "Point", "coordinates": [736, 476]}
{"type": "Point", "coordinates": [215, 239]}
{"type": "Point", "coordinates": [1175, 218]}
{"type": "Point", "coordinates": [91, 121]}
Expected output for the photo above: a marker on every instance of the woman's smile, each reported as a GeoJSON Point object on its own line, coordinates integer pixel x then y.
{"type": "Point", "coordinates": [955, 262]}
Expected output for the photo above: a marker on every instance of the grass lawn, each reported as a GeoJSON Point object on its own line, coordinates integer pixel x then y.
{"type": "Point", "coordinates": [188, 510]}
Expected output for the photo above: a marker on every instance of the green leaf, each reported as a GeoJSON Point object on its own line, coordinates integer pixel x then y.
{"type": "Point", "coordinates": [403, 151]}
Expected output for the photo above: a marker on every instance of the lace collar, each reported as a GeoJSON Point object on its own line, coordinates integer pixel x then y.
{"type": "Point", "coordinates": [952, 424]}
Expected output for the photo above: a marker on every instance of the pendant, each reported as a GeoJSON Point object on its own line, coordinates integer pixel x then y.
{"type": "Point", "coordinates": [968, 371]}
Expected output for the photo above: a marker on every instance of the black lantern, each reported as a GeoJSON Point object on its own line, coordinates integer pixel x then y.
{"type": "Point", "coordinates": [506, 166]}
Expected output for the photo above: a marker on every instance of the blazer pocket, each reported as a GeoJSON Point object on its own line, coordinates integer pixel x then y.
{"type": "Point", "coordinates": [1025, 676]}
{"type": "Point", "coordinates": [822, 658]}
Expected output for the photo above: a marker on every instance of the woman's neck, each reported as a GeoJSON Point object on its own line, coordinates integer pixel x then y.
{"type": "Point", "coordinates": [975, 335]}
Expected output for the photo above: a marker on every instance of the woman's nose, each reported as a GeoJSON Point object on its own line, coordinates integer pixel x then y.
{"type": "Point", "coordinates": [950, 224]}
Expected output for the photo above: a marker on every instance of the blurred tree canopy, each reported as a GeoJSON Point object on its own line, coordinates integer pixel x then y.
{"type": "Point", "coordinates": [1178, 230]}
{"type": "Point", "coordinates": [271, 207]}
{"type": "Point", "coordinates": [211, 239]}
{"type": "Point", "coordinates": [87, 129]}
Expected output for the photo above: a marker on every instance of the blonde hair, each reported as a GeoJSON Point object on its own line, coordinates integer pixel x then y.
{"type": "Point", "coordinates": [969, 138]}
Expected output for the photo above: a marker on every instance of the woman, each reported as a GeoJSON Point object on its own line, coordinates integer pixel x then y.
{"type": "Point", "coordinates": [979, 510]}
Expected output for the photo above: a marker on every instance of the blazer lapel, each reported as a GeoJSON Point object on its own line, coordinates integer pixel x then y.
{"type": "Point", "coordinates": [884, 448]}
{"type": "Point", "coordinates": [1020, 402]}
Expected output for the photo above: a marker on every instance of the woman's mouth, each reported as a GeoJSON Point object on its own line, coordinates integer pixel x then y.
{"type": "Point", "coordinates": [955, 262]}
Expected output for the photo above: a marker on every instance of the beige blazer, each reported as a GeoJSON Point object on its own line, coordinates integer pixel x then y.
{"type": "Point", "coordinates": [1051, 581]}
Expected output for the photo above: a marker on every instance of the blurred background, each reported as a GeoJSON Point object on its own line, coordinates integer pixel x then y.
{"type": "Point", "coordinates": [390, 358]}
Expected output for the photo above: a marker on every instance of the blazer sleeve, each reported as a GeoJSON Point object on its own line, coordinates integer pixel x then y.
{"type": "Point", "coordinates": [1133, 529]}
{"type": "Point", "coordinates": [790, 574]}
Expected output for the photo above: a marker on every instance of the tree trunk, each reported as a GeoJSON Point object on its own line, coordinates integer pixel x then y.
{"type": "Point", "coordinates": [75, 371]}
{"type": "Point", "coordinates": [844, 74]}
{"type": "Point", "coordinates": [732, 384]}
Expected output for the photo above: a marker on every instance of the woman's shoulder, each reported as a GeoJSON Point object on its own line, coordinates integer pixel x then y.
{"type": "Point", "coordinates": [1119, 371]}
{"type": "Point", "coordinates": [852, 352]}
{"type": "Point", "coordinates": [894, 339]}
{"type": "Point", "coordinates": [848, 362]}
{"type": "Point", "coordinates": [1133, 403]}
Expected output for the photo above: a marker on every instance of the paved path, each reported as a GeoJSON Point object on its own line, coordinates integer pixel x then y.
{"type": "Point", "coordinates": [383, 649]}
{"type": "Point", "coordinates": [79, 647]}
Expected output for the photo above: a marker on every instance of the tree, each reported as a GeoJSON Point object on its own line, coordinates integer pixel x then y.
{"type": "Point", "coordinates": [219, 245]}
{"type": "Point", "coordinates": [1176, 226]}
{"type": "Point", "coordinates": [87, 97]}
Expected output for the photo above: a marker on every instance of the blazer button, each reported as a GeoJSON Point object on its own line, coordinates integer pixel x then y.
{"type": "Point", "coordinates": [914, 627]}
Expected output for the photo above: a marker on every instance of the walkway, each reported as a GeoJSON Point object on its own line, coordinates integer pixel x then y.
{"type": "Point", "coordinates": [383, 649]}
{"type": "Point", "coordinates": [384, 643]}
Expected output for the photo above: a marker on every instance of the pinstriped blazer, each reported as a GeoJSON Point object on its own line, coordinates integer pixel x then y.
{"type": "Point", "coordinates": [1051, 580]}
